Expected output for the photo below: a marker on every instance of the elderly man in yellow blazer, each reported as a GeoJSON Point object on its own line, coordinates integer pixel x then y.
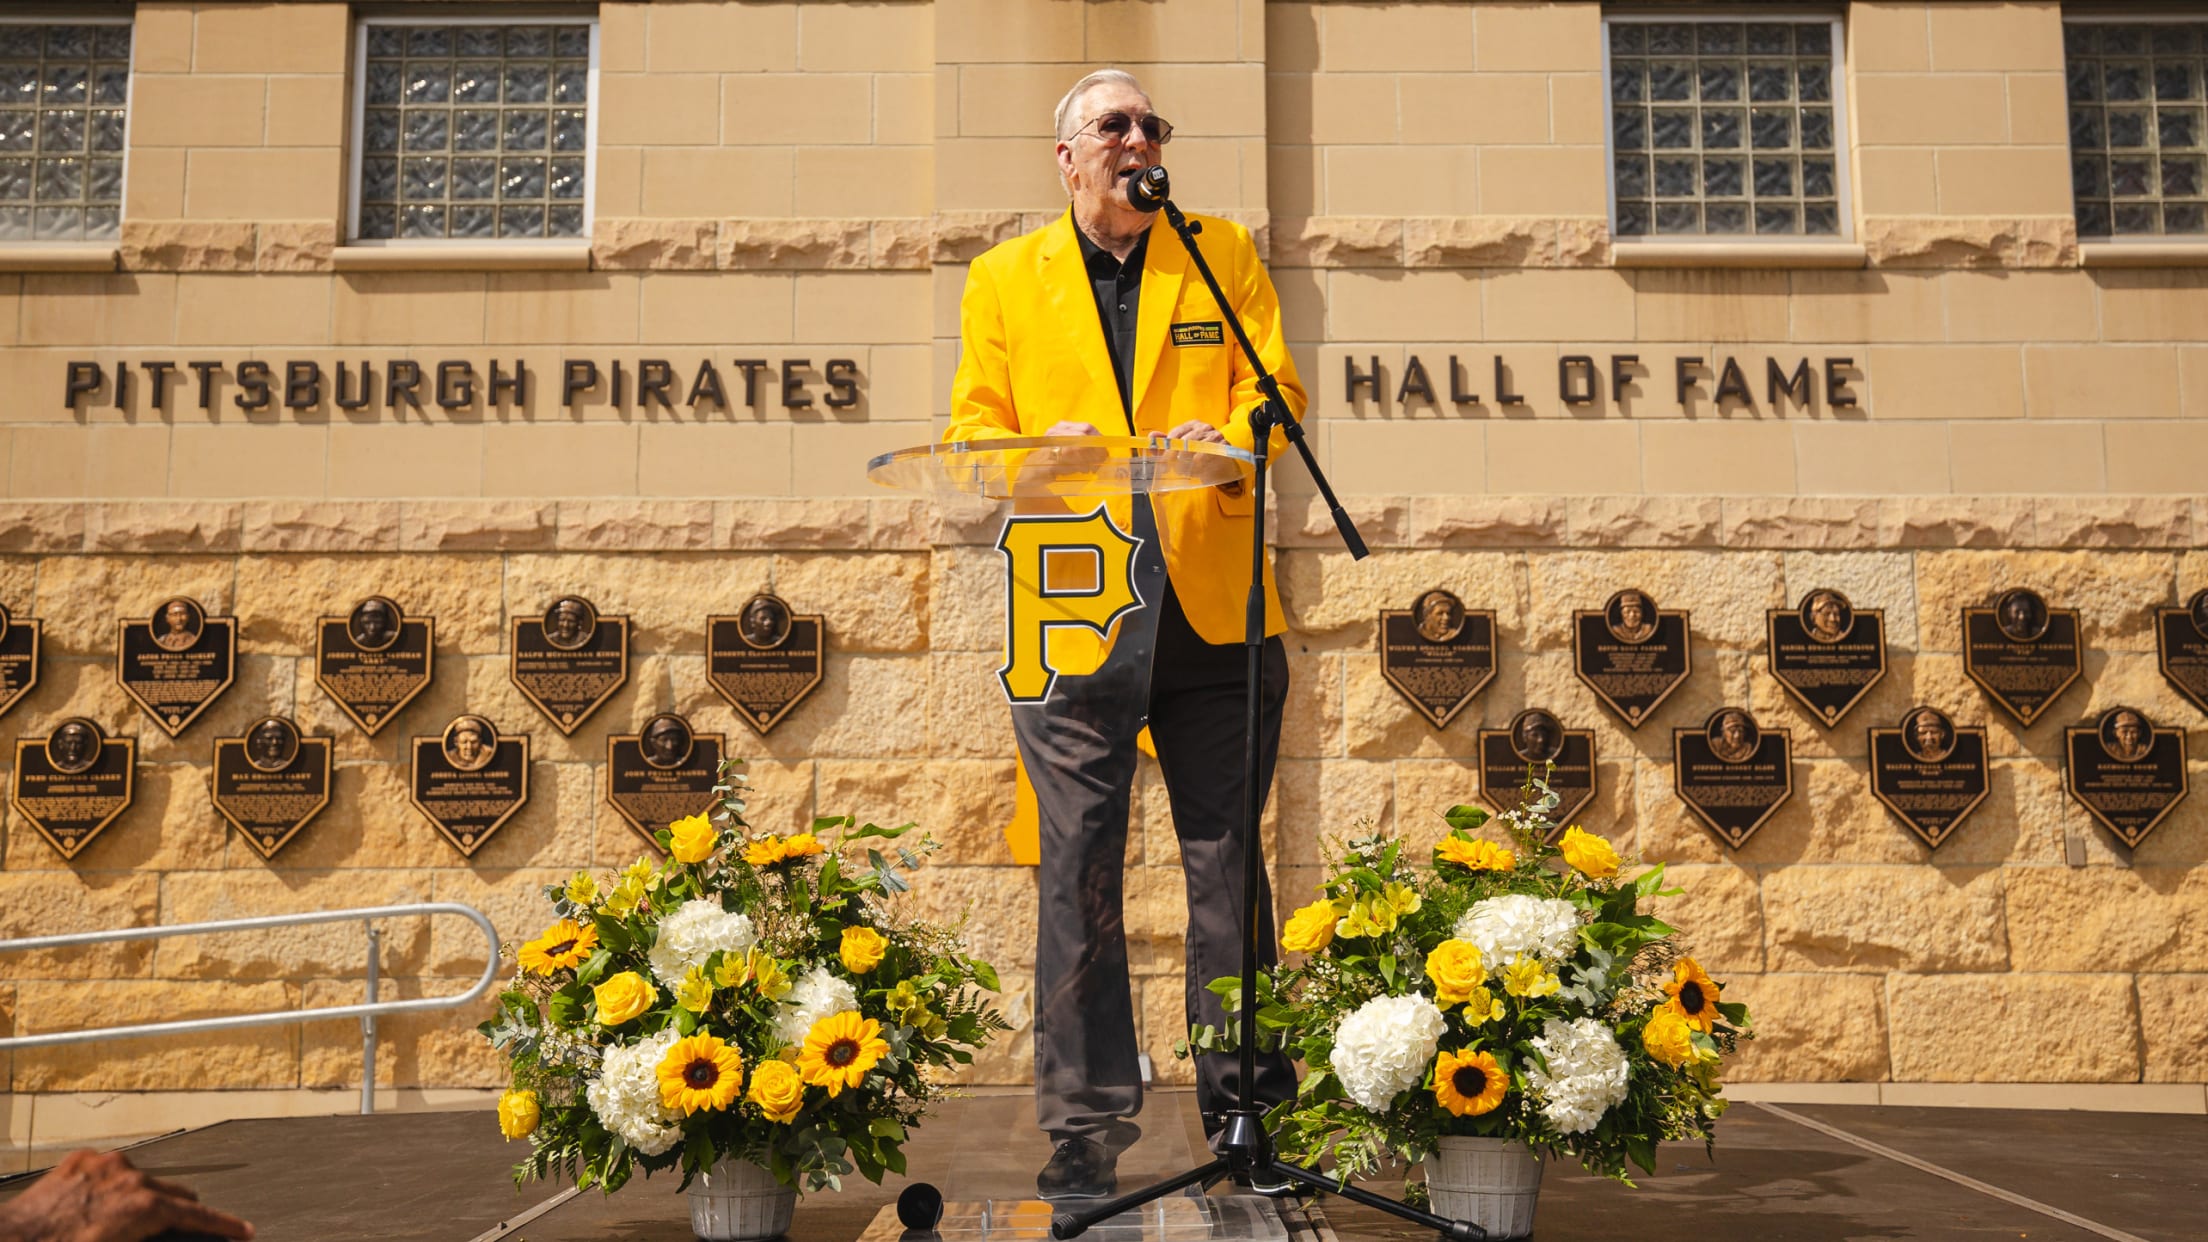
{"type": "Point", "coordinates": [1096, 324]}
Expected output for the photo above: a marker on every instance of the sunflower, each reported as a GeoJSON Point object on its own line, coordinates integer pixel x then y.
{"type": "Point", "coordinates": [839, 1051]}
{"type": "Point", "coordinates": [1693, 996]}
{"type": "Point", "coordinates": [1475, 855]}
{"type": "Point", "coordinates": [765, 852]}
{"type": "Point", "coordinates": [699, 1073]}
{"type": "Point", "coordinates": [564, 944]}
{"type": "Point", "coordinates": [1469, 1083]}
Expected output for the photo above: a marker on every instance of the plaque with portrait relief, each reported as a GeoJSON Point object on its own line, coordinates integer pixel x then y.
{"type": "Point", "coordinates": [1827, 653]}
{"type": "Point", "coordinates": [570, 660]}
{"type": "Point", "coordinates": [177, 662]}
{"type": "Point", "coordinates": [2181, 638]}
{"type": "Point", "coordinates": [1535, 740]}
{"type": "Point", "coordinates": [2125, 772]}
{"type": "Point", "coordinates": [661, 774]}
{"type": "Point", "coordinates": [73, 783]}
{"type": "Point", "coordinates": [270, 782]}
{"type": "Point", "coordinates": [2021, 652]}
{"type": "Point", "coordinates": [765, 659]}
{"type": "Point", "coordinates": [1929, 772]}
{"type": "Point", "coordinates": [469, 781]}
{"type": "Point", "coordinates": [1732, 773]}
{"type": "Point", "coordinates": [1631, 654]}
{"type": "Point", "coordinates": [373, 660]}
{"type": "Point", "coordinates": [19, 638]}
{"type": "Point", "coordinates": [1436, 654]}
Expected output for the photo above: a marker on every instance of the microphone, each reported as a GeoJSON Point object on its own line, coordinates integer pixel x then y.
{"type": "Point", "coordinates": [1148, 192]}
{"type": "Point", "coordinates": [920, 1207]}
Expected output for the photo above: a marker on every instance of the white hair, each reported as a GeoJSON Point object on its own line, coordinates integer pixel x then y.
{"type": "Point", "coordinates": [1102, 77]}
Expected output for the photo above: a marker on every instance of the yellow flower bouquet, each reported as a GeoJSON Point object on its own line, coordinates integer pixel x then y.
{"type": "Point", "coordinates": [752, 997]}
{"type": "Point", "coordinates": [1516, 992]}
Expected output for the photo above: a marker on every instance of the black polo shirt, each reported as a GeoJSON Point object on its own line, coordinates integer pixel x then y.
{"type": "Point", "coordinates": [1118, 290]}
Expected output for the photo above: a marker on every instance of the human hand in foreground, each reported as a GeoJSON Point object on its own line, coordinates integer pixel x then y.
{"type": "Point", "coordinates": [101, 1197]}
{"type": "Point", "coordinates": [1202, 433]}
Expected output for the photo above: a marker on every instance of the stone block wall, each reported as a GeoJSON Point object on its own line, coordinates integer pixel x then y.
{"type": "Point", "coordinates": [1869, 957]}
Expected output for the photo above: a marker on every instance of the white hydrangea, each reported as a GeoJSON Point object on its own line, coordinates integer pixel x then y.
{"type": "Point", "coordinates": [695, 932]}
{"type": "Point", "coordinates": [1501, 928]}
{"type": "Point", "coordinates": [625, 1095]}
{"type": "Point", "coordinates": [1385, 1047]}
{"type": "Point", "coordinates": [816, 995]}
{"type": "Point", "coordinates": [1585, 1077]}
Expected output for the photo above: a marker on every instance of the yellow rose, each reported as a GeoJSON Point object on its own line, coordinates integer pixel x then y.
{"type": "Point", "coordinates": [862, 949]}
{"type": "Point", "coordinates": [1456, 971]}
{"type": "Point", "coordinates": [1475, 855]}
{"type": "Point", "coordinates": [692, 840]}
{"type": "Point", "coordinates": [1311, 928]}
{"type": "Point", "coordinates": [1589, 854]}
{"type": "Point", "coordinates": [778, 1090]}
{"type": "Point", "coordinates": [623, 997]}
{"type": "Point", "coordinates": [1668, 1037]}
{"type": "Point", "coordinates": [517, 1114]}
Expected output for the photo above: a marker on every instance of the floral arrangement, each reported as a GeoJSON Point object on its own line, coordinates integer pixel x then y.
{"type": "Point", "coordinates": [1503, 991]}
{"type": "Point", "coordinates": [752, 997]}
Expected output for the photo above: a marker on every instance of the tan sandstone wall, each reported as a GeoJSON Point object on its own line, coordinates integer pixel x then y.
{"type": "Point", "coordinates": [786, 181]}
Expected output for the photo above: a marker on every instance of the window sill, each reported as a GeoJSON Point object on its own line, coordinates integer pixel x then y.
{"type": "Point", "coordinates": [2143, 254]}
{"type": "Point", "coordinates": [1738, 254]}
{"type": "Point", "coordinates": [464, 257]}
{"type": "Point", "coordinates": [58, 257]}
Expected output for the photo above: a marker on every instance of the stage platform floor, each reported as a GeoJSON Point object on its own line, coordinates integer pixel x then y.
{"type": "Point", "coordinates": [1809, 1172]}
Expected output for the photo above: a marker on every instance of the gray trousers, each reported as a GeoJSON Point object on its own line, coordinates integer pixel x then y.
{"type": "Point", "coordinates": [1079, 751]}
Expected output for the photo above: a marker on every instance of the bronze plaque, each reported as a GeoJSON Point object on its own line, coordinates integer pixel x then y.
{"type": "Point", "coordinates": [1827, 653]}
{"type": "Point", "coordinates": [270, 782]}
{"type": "Point", "coordinates": [2022, 653]}
{"type": "Point", "coordinates": [176, 662]}
{"type": "Point", "coordinates": [662, 774]}
{"type": "Point", "coordinates": [1536, 738]}
{"type": "Point", "coordinates": [1928, 772]}
{"type": "Point", "coordinates": [764, 659]}
{"type": "Point", "coordinates": [1732, 772]}
{"type": "Point", "coordinates": [1631, 655]}
{"type": "Point", "coordinates": [2181, 635]}
{"type": "Point", "coordinates": [73, 783]}
{"type": "Point", "coordinates": [18, 658]}
{"type": "Point", "coordinates": [570, 661]}
{"type": "Point", "coordinates": [374, 660]}
{"type": "Point", "coordinates": [1436, 654]}
{"type": "Point", "coordinates": [469, 781]}
{"type": "Point", "coordinates": [2125, 772]}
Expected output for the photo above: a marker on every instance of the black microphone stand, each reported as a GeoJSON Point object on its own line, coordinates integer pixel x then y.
{"type": "Point", "coordinates": [1245, 1150]}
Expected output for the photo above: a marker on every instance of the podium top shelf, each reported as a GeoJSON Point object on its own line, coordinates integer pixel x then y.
{"type": "Point", "coordinates": [1062, 466]}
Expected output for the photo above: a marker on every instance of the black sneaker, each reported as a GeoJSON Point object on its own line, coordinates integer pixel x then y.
{"type": "Point", "coordinates": [1079, 1169]}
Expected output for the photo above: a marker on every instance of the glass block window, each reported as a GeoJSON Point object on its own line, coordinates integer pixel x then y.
{"type": "Point", "coordinates": [2138, 136]}
{"type": "Point", "coordinates": [63, 88]}
{"type": "Point", "coordinates": [474, 131]}
{"type": "Point", "coordinates": [1724, 128]}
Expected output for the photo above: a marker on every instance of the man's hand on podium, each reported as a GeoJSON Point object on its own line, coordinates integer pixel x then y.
{"type": "Point", "coordinates": [1076, 460]}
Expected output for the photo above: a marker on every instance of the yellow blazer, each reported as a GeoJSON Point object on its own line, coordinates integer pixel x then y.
{"type": "Point", "coordinates": [1033, 354]}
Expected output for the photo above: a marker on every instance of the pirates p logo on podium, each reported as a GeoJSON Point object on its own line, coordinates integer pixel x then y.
{"type": "Point", "coordinates": [1063, 574]}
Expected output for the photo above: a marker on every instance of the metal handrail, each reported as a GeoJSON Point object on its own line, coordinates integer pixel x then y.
{"type": "Point", "coordinates": [367, 1012]}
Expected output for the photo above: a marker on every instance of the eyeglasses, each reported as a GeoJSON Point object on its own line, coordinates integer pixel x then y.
{"type": "Point", "coordinates": [1114, 127]}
